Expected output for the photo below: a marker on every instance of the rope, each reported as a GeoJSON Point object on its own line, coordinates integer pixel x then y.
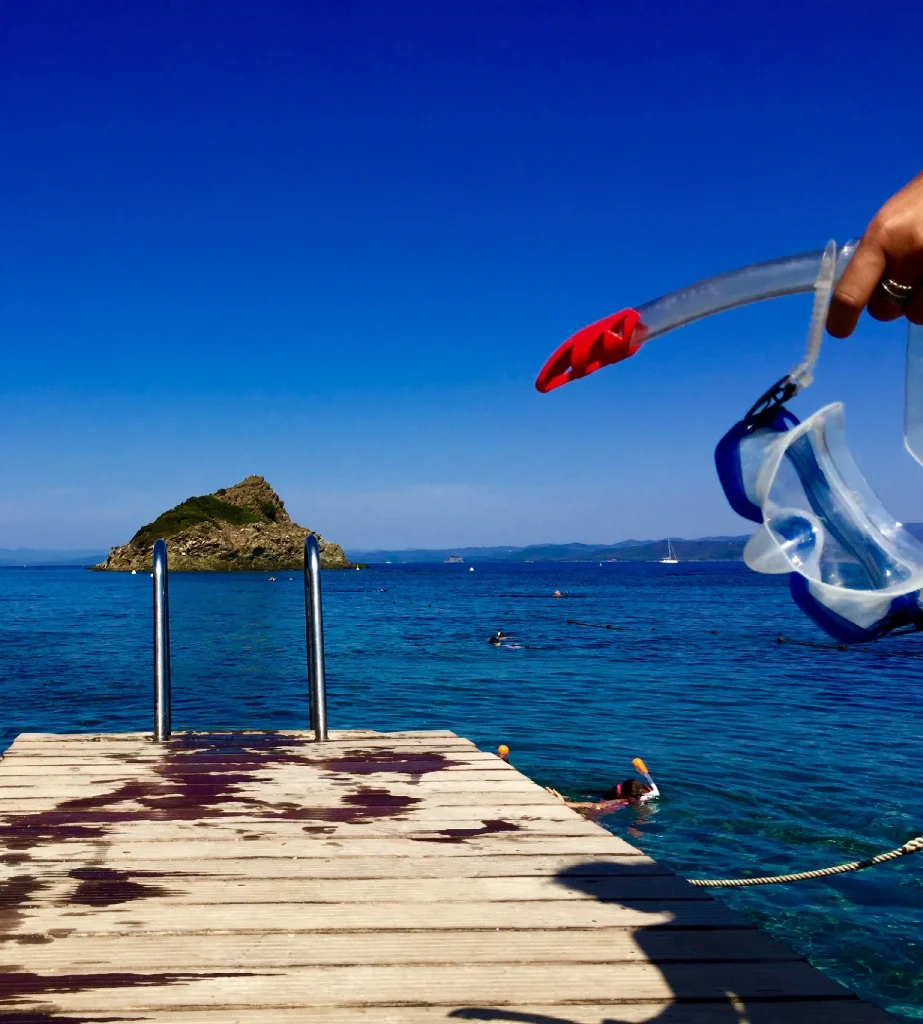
{"type": "Point", "coordinates": [913, 846]}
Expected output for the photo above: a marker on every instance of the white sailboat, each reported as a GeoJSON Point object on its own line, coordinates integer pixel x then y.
{"type": "Point", "coordinates": [671, 558]}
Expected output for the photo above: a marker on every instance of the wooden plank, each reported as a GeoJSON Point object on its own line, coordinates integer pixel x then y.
{"type": "Point", "coordinates": [88, 953]}
{"type": "Point", "coordinates": [305, 754]}
{"type": "Point", "coordinates": [167, 847]}
{"type": "Point", "coordinates": [456, 984]}
{"type": "Point", "coordinates": [77, 783]}
{"type": "Point", "coordinates": [175, 890]}
{"type": "Point", "coordinates": [173, 749]}
{"type": "Point", "coordinates": [457, 761]}
{"type": "Point", "coordinates": [446, 826]}
{"type": "Point", "coordinates": [489, 865]}
{"type": "Point", "coordinates": [437, 803]}
{"type": "Point", "coordinates": [149, 915]}
{"type": "Point", "coordinates": [301, 735]}
{"type": "Point", "coordinates": [729, 1010]}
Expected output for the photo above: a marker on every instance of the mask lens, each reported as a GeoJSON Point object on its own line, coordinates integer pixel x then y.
{"type": "Point", "coordinates": [824, 517]}
{"type": "Point", "coordinates": [800, 538]}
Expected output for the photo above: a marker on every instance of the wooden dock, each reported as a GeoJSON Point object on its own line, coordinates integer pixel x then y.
{"type": "Point", "coordinates": [396, 878]}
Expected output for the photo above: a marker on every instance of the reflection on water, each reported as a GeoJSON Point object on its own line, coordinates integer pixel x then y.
{"type": "Point", "coordinates": [773, 757]}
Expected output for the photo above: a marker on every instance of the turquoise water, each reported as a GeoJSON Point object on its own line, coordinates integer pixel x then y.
{"type": "Point", "coordinates": [773, 757]}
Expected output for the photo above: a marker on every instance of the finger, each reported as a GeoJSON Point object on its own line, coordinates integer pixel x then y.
{"type": "Point", "coordinates": [855, 288]}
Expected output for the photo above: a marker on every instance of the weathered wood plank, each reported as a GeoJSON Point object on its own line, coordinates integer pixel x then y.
{"type": "Point", "coordinates": [236, 745]}
{"type": "Point", "coordinates": [729, 1010]}
{"type": "Point", "coordinates": [458, 761]}
{"type": "Point", "coordinates": [334, 736]}
{"type": "Point", "coordinates": [87, 954]}
{"type": "Point", "coordinates": [166, 847]}
{"type": "Point", "coordinates": [456, 984]}
{"type": "Point", "coordinates": [436, 803]}
{"type": "Point", "coordinates": [443, 826]}
{"type": "Point", "coordinates": [175, 890]}
{"type": "Point", "coordinates": [78, 783]}
{"type": "Point", "coordinates": [489, 865]}
{"type": "Point", "coordinates": [149, 915]}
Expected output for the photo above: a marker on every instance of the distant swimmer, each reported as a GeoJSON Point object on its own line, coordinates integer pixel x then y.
{"type": "Point", "coordinates": [558, 593]}
{"type": "Point", "coordinates": [497, 637]}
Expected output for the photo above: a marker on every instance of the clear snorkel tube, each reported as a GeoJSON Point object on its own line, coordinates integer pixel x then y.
{"type": "Point", "coordinates": [913, 393]}
{"type": "Point", "coordinates": [790, 275]}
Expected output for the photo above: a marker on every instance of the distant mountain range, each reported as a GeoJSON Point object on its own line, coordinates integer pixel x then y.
{"type": "Point", "coordinates": [701, 549]}
{"type": "Point", "coordinates": [43, 556]}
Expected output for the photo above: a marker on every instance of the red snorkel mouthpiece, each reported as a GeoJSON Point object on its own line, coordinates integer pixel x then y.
{"type": "Point", "coordinates": [620, 335]}
{"type": "Point", "coordinates": [610, 340]}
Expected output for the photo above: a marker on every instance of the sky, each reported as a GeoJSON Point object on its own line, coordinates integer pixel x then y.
{"type": "Point", "coordinates": [333, 243]}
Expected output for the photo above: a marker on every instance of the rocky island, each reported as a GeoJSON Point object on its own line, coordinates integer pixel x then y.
{"type": "Point", "coordinates": [244, 527]}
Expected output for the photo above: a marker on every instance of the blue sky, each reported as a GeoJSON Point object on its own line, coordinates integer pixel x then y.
{"type": "Point", "coordinates": [333, 243]}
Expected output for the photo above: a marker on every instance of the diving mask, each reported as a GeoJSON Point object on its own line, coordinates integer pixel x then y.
{"type": "Point", "coordinates": [854, 569]}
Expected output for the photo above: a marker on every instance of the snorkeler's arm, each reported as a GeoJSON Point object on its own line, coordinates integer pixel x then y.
{"type": "Point", "coordinates": [593, 810]}
{"type": "Point", "coordinates": [892, 246]}
{"type": "Point", "coordinates": [585, 807]}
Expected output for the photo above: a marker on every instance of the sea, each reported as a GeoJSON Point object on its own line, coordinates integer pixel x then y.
{"type": "Point", "coordinates": [775, 749]}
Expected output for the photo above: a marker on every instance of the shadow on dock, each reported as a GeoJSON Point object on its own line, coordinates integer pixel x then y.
{"type": "Point", "coordinates": [718, 1006]}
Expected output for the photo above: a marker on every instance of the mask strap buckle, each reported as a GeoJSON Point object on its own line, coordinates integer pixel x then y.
{"type": "Point", "coordinates": [773, 399]}
{"type": "Point", "coordinates": [803, 374]}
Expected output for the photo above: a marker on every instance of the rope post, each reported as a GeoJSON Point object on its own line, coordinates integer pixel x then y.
{"type": "Point", "coordinates": [314, 636]}
{"type": "Point", "coordinates": [162, 697]}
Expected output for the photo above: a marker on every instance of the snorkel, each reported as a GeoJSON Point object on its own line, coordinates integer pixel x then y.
{"type": "Point", "coordinates": [652, 794]}
{"type": "Point", "coordinates": [621, 335]}
{"type": "Point", "coordinates": [854, 569]}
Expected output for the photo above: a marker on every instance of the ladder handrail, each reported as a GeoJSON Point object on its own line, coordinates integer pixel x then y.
{"type": "Point", "coordinates": [314, 637]}
{"type": "Point", "coordinates": [162, 695]}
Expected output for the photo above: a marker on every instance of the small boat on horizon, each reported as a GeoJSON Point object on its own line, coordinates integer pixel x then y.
{"type": "Point", "coordinates": [671, 558]}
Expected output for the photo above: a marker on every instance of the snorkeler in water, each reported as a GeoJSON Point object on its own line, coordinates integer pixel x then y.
{"type": "Point", "coordinates": [631, 791]}
{"type": "Point", "coordinates": [497, 637]}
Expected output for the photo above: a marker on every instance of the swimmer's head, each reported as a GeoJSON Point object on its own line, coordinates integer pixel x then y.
{"type": "Point", "coordinates": [503, 752]}
{"type": "Point", "coordinates": [630, 789]}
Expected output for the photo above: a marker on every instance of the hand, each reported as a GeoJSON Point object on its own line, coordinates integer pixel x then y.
{"type": "Point", "coordinates": [554, 792]}
{"type": "Point", "coordinates": [892, 246]}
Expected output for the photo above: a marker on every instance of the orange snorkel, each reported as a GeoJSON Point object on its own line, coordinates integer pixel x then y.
{"type": "Point", "coordinates": [639, 766]}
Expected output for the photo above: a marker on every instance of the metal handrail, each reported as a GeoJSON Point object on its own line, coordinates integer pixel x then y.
{"type": "Point", "coordinates": [162, 716]}
{"type": "Point", "coordinates": [314, 636]}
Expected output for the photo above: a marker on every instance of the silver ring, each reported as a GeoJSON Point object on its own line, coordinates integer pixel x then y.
{"type": "Point", "coordinates": [900, 294]}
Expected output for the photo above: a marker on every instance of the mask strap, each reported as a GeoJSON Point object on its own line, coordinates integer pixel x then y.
{"type": "Point", "coordinates": [803, 374]}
